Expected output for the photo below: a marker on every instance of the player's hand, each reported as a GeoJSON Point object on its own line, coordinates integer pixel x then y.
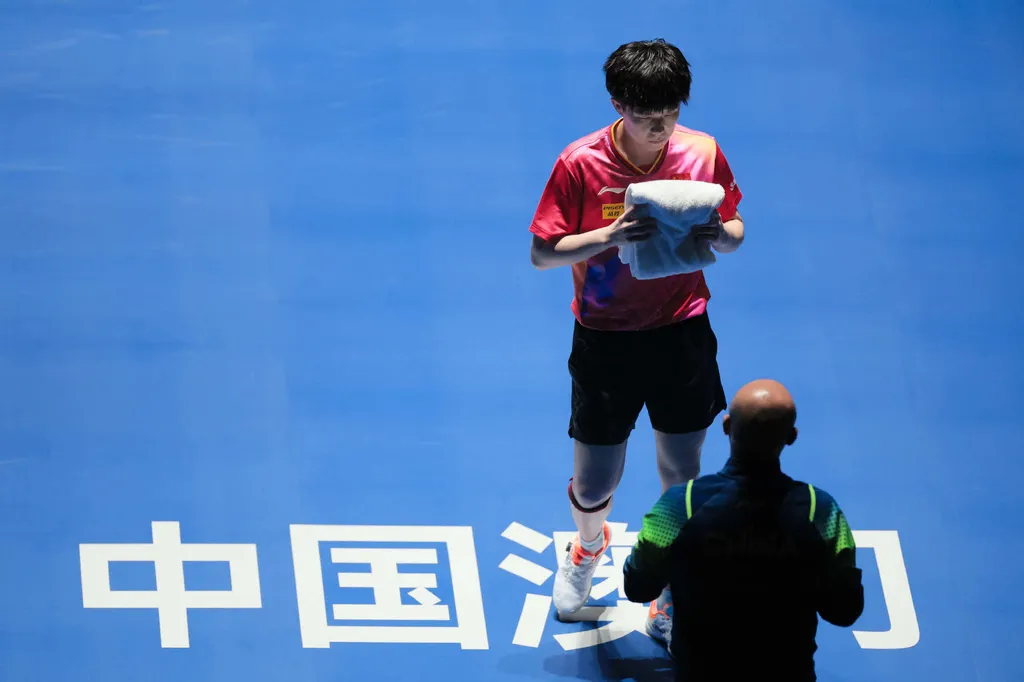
{"type": "Point", "coordinates": [711, 231]}
{"type": "Point", "coordinates": [631, 226]}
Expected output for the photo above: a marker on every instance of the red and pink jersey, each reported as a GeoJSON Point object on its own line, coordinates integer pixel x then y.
{"type": "Point", "coordinates": [585, 192]}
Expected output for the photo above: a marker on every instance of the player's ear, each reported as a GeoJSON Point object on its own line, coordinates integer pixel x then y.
{"type": "Point", "coordinates": [619, 108]}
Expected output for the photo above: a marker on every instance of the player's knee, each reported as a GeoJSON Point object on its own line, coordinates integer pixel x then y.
{"type": "Point", "coordinates": [590, 496]}
{"type": "Point", "coordinates": [679, 455]}
{"type": "Point", "coordinates": [597, 470]}
{"type": "Point", "coordinates": [679, 471]}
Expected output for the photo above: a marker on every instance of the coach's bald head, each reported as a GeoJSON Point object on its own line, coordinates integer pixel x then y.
{"type": "Point", "coordinates": [761, 420]}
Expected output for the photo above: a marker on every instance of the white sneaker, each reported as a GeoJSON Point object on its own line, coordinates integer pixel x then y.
{"type": "Point", "coordinates": [576, 574]}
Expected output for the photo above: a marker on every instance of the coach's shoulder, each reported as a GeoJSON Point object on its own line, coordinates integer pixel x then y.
{"type": "Point", "coordinates": [804, 489]}
{"type": "Point", "coordinates": [823, 497]}
{"type": "Point", "coordinates": [710, 481]}
{"type": "Point", "coordinates": [813, 500]}
{"type": "Point", "coordinates": [707, 486]}
{"type": "Point", "coordinates": [826, 513]}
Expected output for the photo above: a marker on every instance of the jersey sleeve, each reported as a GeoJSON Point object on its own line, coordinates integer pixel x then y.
{"type": "Point", "coordinates": [841, 594]}
{"type": "Point", "coordinates": [647, 569]}
{"type": "Point", "coordinates": [558, 213]}
{"type": "Point", "coordinates": [835, 531]}
{"type": "Point", "coordinates": [724, 177]}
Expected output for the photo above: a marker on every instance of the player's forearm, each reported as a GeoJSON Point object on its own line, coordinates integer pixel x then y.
{"type": "Point", "coordinates": [732, 236]}
{"type": "Point", "coordinates": [570, 249]}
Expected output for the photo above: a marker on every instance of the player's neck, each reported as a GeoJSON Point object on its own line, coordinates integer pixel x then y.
{"type": "Point", "coordinates": [640, 155]}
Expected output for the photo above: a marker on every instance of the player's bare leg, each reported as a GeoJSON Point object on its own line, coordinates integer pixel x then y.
{"type": "Point", "coordinates": [597, 470]}
{"type": "Point", "coordinates": [678, 462]}
{"type": "Point", "coordinates": [678, 456]}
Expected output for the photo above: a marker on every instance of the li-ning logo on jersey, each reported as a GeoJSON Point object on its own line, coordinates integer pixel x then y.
{"type": "Point", "coordinates": [614, 190]}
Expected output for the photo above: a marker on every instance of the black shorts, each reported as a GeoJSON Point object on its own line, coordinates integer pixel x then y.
{"type": "Point", "coordinates": [673, 370]}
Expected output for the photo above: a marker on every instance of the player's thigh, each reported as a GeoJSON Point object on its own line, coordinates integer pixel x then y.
{"type": "Point", "coordinates": [607, 392]}
{"type": "Point", "coordinates": [684, 392]}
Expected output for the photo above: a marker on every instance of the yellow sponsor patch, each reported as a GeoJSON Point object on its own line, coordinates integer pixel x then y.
{"type": "Point", "coordinates": [612, 211]}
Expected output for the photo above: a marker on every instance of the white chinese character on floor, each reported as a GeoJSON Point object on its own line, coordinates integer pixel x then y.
{"type": "Point", "coordinates": [170, 598]}
{"type": "Point", "coordinates": [619, 620]}
{"type": "Point", "coordinates": [381, 550]}
{"type": "Point", "coordinates": [904, 631]}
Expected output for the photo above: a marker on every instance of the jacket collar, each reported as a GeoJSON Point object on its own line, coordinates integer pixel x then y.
{"type": "Point", "coordinates": [739, 467]}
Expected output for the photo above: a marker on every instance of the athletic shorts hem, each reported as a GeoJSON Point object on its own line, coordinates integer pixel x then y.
{"type": "Point", "coordinates": [671, 370]}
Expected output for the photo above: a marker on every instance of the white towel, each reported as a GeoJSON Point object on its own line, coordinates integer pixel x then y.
{"type": "Point", "coordinates": [677, 205]}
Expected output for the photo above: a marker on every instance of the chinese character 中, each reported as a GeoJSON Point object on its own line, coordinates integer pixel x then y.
{"type": "Point", "coordinates": [619, 620]}
{"type": "Point", "coordinates": [170, 598]}
{"type": "Point", "coordinates": [381, 550]}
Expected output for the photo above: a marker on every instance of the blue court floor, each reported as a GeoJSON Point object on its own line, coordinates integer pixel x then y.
{"type": "Point", "coordinates": [281, 397]}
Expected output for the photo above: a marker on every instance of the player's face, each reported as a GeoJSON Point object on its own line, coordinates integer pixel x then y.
{"type": "Point", "coordinates": [649, 127]}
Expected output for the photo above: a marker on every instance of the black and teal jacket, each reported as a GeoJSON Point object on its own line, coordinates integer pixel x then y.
{"type": "Point", "coordinates": [752, 558]}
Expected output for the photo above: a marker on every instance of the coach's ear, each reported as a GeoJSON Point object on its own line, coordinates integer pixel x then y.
{"type": "Point", "coordinates": [726, 425]}
{"type": "Point", "coordinates": [792, 436]}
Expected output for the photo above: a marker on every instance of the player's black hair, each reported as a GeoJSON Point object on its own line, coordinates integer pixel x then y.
{"type": "Point", "coordinates": [648, 75]}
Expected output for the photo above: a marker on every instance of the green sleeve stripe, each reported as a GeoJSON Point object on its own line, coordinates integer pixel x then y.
{"type": "Point", "coordinates": [689, 498]}
{"type": "Point", "coordinates": [814, 501]}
